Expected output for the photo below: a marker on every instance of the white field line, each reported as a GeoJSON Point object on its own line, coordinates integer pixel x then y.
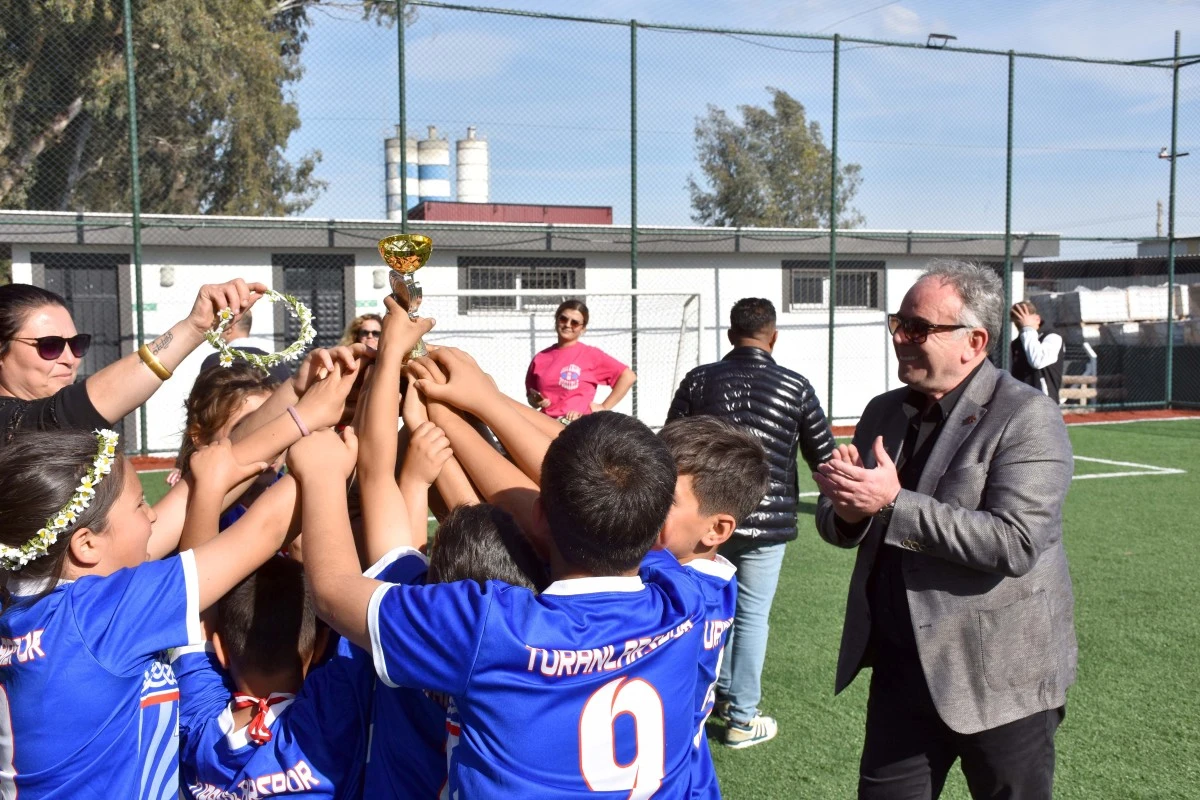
{"type": "Point", "coordinates": [1134, 421]}
{"type": "Point", "coordinates": [1142, 469]}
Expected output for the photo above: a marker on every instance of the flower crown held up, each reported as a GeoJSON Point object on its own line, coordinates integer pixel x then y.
{"type": "Point", "coordinates": [14, 558]}
{"type": "Point", "coordinates": [290, 353]}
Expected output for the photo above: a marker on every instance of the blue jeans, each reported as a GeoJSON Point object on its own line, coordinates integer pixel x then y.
{"type": "Point", "coordinates": [740, 681]}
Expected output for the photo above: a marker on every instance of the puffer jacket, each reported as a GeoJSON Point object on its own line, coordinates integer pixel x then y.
{"type": "Point", "coordinates": [747, 387]}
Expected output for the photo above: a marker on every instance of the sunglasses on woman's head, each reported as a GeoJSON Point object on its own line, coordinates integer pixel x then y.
{"type": "Point", "coordinates": [563, 319]}
{"type": "Point", "coordinates": [51, 347]}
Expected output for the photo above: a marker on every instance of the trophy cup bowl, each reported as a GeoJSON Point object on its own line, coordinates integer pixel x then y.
{"type": "Point", "coordinates": [405, 253]}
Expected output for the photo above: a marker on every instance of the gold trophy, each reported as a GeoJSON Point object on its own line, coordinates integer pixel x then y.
{"type": "Point", "coordinates": [406, 253]}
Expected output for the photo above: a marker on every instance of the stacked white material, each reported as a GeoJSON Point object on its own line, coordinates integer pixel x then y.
{"type": "Point", "coordinates": [1148, 302]}
{"type": "Point", "coordinates": [1110, 304]}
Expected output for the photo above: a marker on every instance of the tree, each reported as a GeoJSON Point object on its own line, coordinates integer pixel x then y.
{"type": "Point", "coordinates": [213, 115]}
{"type": "Point", "coordinates": [770, 171]}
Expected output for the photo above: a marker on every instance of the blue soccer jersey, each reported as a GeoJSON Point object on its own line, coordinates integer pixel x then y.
{"type": "Point", "coordinates": [91, 706]}
{"type": "Point", "coordinates": [318, 737]}
{"type": "Point", "coordinates": [717, 578]}
{"type": "Point", "coordinates": [410, 727]}
{"type": "Point", "coordinates": [586, 690]}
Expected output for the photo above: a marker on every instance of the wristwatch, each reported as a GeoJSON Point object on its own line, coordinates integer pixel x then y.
{"type": "Point", "coordinates": [884, 514]}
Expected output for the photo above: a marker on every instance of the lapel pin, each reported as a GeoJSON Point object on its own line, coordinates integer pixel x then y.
{"type": "Point", "coordinates": [969, 420]}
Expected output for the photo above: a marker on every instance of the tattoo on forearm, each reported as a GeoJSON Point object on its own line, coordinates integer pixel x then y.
{"type": "Point", "coordinates": [161, 343]}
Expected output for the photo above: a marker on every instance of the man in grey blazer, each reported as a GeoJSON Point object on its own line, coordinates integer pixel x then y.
{"type": "Point", "coordinates": [960, 600]}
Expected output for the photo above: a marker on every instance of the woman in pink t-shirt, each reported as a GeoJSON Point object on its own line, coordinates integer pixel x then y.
{"type": "Point", "coordinates": [562, 379]}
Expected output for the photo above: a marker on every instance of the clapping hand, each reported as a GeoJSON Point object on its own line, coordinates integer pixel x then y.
{"type": "Point", "coordinates": [855, 491]}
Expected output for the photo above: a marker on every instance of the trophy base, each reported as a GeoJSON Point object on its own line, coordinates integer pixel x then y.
{"type": "Point", "coordinates": [419, 350]}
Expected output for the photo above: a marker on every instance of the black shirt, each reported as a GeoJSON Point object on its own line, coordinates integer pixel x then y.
{"type": "Point", "coordinates": [70, 408]}
{"type": "Point", "coordinates": [891, 624]}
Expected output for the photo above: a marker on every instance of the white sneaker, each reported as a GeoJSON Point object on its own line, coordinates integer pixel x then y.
{"type": "Point", "coordinates": [758, 730]}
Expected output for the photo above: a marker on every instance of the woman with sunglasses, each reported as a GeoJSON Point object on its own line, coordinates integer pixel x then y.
{"type": "Point", "coordinates": [365, 328]}
{"type": "Point", "coordinates": [562, 379]}
{"type": "Point", "coordinates": [41, 350]}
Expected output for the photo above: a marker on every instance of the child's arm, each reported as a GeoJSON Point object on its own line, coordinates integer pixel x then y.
{"type": "Point", "coordinates": [341, 593]}
{"type": "Point", "coordinates": [214, 468]}
{"type": "Point", "coordinates": [426, 456]}
{"type": "Point", "coordinates": [224, 560]}
{"type": "Point", "coordinates": [321, 406]}
{"type": "Point", "coordinates": [386, 520]}
{"type": "Point", "coordinates": [471, 389]}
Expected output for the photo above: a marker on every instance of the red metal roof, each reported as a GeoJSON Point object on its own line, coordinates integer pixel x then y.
{"type": "Point", "coordinates": [439, 211]}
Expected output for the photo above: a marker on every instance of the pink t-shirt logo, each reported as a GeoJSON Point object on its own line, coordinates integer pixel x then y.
{"type": "Point", "coordinates": [569, 377]}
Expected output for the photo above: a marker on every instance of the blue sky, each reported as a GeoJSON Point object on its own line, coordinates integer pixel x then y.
{"type": "Point", "coordinates": [552, 99]}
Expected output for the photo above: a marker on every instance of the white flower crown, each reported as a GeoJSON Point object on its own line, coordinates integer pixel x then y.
{"type": "Point", "coordinates": [14, 558]}
{"type": "Point", "coordinates": [290, 353]}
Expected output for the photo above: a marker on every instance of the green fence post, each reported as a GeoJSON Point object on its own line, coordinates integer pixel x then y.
{"type": "Point", "coordinates": [403, 131]}
{"type": "Point", "coordinates": [633, 198]}
{"type": "Point", "coordinates": [1005, 325]}
{"type": "Point", "coordinates": [136, 191]}
{"type": "Point", "coordinates": [833, 175]}
{"type": "Point", "coordinates": [1170, 374]}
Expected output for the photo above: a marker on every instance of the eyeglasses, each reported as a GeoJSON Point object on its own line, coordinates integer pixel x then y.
{"type": "Point", "coordinates": [563, 319]}
{"type": "Point", "coordinates": [917, 330]}
{"type": "Point", "coordinates": [51, 347]}
{"type": "Point", "coordinates": [369, 334]}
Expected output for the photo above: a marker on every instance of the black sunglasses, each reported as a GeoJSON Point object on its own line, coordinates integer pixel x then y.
{"type": "Point", "coordinates": [917, 330]}
{"type": "Point", "coordinates": [563, 319]}
{"type": "Point", "coordinates": [51, 347]}
{"type": "Point", "coordinates": [369, 334]}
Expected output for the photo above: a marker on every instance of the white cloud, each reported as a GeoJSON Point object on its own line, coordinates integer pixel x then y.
{"type": "Point", "coordinates": [460, 56]}
{"type": "Point", "coordinates": [901, 21]}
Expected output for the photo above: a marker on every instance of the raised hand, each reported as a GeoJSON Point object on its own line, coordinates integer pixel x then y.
{"type": "Point", "coordinates": [215, 468]}
{"type": "Point", "coordinates": [319, 363]}
{"type": "Point", "coordinates": [323, 455]}
{"type": "Point", "coordinates": [323, 404]}
{"type": "Point", "coordinates": [428, 450]}
{"type": "Point", "coordinates": [236, 295]}
{"type": "Point", "coordinates": [467, 386]}
{"type": "Point", "coordinates": [400, 332]}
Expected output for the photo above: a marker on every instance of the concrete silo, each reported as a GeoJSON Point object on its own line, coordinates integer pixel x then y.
{"type": "Point", "coordinates": [472, 165]}
{"type": "Point", "coordinates": [391, 149]}
{"type": "Point", "coordinates": [433, 167]}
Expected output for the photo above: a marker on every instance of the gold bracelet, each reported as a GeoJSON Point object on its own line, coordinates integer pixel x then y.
{"type": "Point", "coordinates": [151, 361]}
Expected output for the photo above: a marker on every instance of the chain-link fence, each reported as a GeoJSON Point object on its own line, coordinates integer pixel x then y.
{"type": "Point", "coordinates": [569, 152]}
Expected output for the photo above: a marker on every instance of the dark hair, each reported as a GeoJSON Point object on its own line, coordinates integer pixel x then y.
{"type": "Point", "coordinates": [727, 463]}
{"type": "Point", "coordinates": [482, 543]}
{"type": "Point", "coordinates": [39, 473]}
{"type": "Point", "coordinates": [216, 395]}
{"type": "Point", "coordinates": [607, 485]}
{"type": "Point", "coordinates": [267, 622]}
{"type": "Point", "coordinates": [17, 302]}
{"type": "Point", "coordinates": [574, 305]}
{"type": "Point", "coordinates": [750, 317]}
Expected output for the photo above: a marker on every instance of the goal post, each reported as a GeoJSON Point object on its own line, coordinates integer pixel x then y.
{"type": "Point", "coordinates": [504, 328]}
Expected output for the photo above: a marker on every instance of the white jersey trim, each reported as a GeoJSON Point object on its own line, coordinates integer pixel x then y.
{"type": "Point", "coordinates": [391, 557]}
{"type": "Point", "coordinates": [718, 567]}
{"type": "Point", "coordinates": [179, 652]}
{"type": "Point", "coordinates": [573, 586]}
{"type": "Point", "coordinates": [191, 585]}
{"type": "Point", "coordinates": [373, 628]}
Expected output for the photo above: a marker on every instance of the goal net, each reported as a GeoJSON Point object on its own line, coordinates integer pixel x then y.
{"type": "Point", "coordinates": [504, 329]}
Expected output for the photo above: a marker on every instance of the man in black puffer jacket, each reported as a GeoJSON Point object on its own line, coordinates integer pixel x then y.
{"type": "Point", "coordinates": [747, 387]}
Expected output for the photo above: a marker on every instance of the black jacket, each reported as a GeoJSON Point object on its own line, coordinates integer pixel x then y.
{"type": "Point", "coordinates": [747, 387]}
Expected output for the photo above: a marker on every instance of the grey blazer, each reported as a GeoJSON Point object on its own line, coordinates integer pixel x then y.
{"type": "Point", "coordinates": [983, 562]}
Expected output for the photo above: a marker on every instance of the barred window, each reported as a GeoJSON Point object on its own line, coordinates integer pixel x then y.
{"type": "Point", "coordinates": [515, 273]}
{"type": "Point", "coordinates": [857, 283]}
